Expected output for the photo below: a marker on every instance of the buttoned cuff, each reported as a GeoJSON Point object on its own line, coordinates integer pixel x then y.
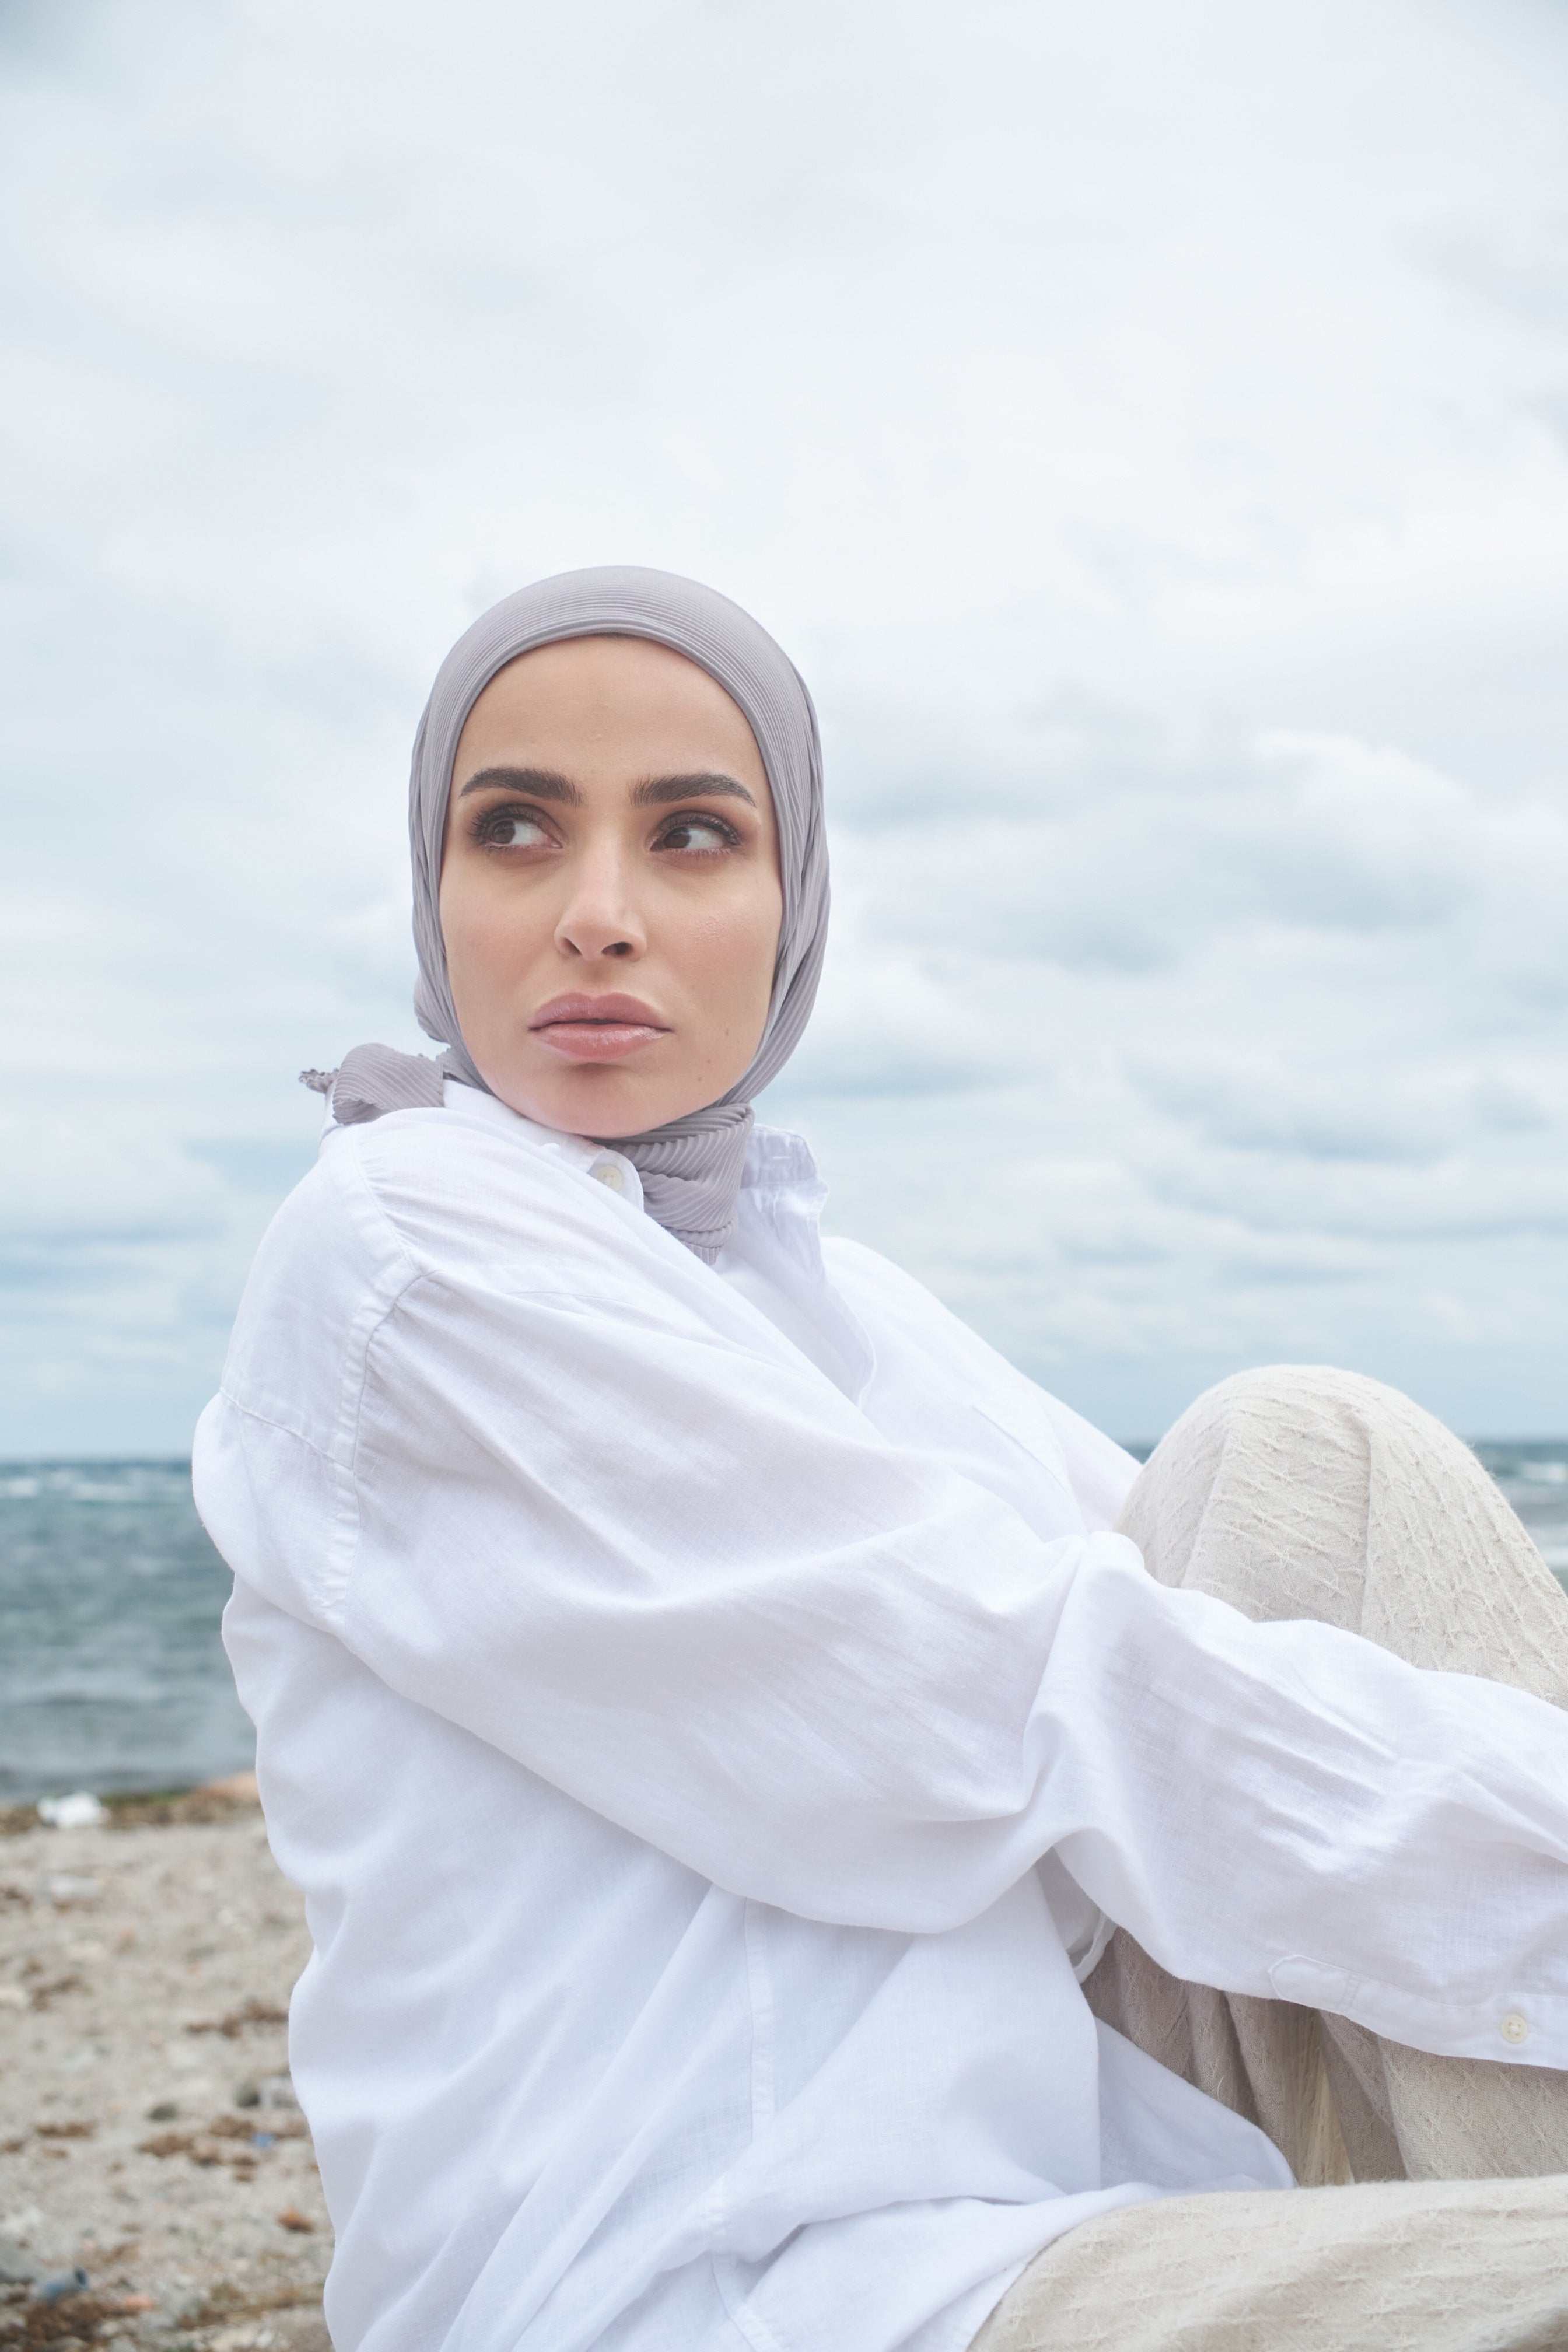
{"type": "Point", "coordinates": [1512, 2027]}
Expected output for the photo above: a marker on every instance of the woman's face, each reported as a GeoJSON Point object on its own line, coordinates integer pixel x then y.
{"type": "Point", "coordinates": [610, 896]}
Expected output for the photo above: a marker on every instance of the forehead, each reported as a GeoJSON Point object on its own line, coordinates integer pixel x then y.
{"type": "Point", "coordinates": [606, 697]}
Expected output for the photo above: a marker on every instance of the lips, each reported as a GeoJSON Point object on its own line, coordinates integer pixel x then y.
{"type": "Point", "coordinates": [583, 1028]}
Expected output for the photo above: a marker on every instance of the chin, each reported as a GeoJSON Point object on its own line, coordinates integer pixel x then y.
{"type": "Point", "coordinates": [575, 1106]}
{"type": "Point", "coordinates": [604, 1102]}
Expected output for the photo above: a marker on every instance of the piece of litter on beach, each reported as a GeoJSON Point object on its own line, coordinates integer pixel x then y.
{"type": "Point", "coordinates": [79, 1811]}
{"type": "Point", "coordinates": [63, 2282]}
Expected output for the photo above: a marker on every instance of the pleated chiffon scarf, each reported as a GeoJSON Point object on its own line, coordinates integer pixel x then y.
{"type": "Point", "coordinates": [691, 1168]}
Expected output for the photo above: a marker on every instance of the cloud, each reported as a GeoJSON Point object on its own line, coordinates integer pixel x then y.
{"type": "Point", "coordinates": [102, 1180]}
{"type": "Point", "coordinates": [1142, 429]}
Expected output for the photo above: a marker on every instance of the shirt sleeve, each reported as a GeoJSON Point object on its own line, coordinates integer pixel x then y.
{"type": "Point", "coordinates": [685, 1581]}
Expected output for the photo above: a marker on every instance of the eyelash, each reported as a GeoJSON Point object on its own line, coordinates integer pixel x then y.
{"type": "Point", "coordinates": [488, 822]}
{"type": "Point", "coordinates": [718, 825]}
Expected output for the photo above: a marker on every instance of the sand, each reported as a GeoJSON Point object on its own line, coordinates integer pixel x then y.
{"type": "Point", "coordinates": [144, 1973]}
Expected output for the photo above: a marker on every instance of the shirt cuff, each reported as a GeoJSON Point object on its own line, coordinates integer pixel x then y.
{"type": "Point", "coordinates": [1520, 2029]}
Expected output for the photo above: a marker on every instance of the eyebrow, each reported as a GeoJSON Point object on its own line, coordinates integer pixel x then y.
{"type": "Point", "coordinates": [654, 791]}
{"type": "Point", "coordinates": [539, 783]}
{"type": "Point", "coordinates": [658, 791]}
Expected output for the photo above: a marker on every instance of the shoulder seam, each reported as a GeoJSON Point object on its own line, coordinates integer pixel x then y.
{"type": "Point", "coordinates": [400, 1275]}
{"type": "Point", "coordinates": [383, 1217]}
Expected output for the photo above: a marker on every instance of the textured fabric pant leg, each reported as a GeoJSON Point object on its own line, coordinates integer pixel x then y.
{"type": "Point", "coordinates": [1406, 2266]}
{"type": "Point", "coordinates": [1296, 1493]}
{"type": "Point", "coordinates": [1302, 1492]}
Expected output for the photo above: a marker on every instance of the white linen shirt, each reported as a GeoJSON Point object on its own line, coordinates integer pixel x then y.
{"type": "Point", "coordinates": [712, 1726]}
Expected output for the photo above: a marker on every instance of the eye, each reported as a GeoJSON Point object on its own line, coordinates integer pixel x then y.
{"type": "Point", "coordinates": [510, 829]}
{"type": "Point", "coordinates": [703, 834]}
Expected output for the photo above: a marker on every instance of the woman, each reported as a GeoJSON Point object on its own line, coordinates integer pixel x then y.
{"type": "Point", "coordinates": [716, 1729]}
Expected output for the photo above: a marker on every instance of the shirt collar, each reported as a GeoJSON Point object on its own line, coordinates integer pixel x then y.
{"type": "Point", "coordinates": [781, 1181]}
{"type": "Point", "coordinates": [778, 1210]}
{"type": "Point", "coordinates": [610, 1168]}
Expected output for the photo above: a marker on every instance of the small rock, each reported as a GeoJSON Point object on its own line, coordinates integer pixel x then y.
{"type": "Point", "coordinates": [62, 1890]}
{"type": "Point", "coordinates": [291, 2218]}
{"type": "Point", "coordinates": [80, 1810]}
{"type": "Point", "coordinates": [17, 2267]}
{"type": "Point", "coordinates": [164, 2111]}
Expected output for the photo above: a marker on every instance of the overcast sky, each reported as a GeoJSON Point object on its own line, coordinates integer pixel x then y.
{"type": "Point", "coordinates": [1147, 428]}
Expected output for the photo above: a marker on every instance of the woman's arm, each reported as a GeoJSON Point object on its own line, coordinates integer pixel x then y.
{"type": "Point", "coordinates": [687, 1583]}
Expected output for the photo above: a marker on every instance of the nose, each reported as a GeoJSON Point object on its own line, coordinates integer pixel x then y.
{"type": "Point", "coordinates": [597, 918]}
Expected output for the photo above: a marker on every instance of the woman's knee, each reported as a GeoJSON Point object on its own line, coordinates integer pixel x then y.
{"type": "Point", "coordinates": [1294, 1393]}
{"type": "Point", "coordinates": [1260, 1492]}
{"type": "Point", "coordinates": [1310, 1420]}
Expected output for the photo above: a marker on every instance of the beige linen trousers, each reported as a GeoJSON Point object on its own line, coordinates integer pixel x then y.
{"type": "Point", "coordinates": [1310, 1493]}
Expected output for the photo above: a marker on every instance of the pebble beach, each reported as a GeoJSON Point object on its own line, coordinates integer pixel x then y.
{"type": "Point", "coordinates": [157, 2187]}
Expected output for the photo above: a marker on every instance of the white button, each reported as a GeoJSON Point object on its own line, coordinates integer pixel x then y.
{"type": "Point", "coordinates": [1514, 2028]}
{"type": "Point", "coordinates": [610, 1172]}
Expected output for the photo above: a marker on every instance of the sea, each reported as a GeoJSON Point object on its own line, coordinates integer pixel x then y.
{"type": "Point", "coordinates": [113, 1676]}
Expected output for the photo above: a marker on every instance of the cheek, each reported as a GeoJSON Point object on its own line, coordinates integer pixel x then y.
{"type": "Point", "coordinates": [457, 930]}
{"type": "Point", "coordinates": [733, 949]}
{"type": "Point", "coordinates": [485, 936]}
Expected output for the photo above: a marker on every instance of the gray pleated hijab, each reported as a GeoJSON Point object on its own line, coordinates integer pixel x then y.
{"type": "Point", "coordinates": [690, 1170]}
